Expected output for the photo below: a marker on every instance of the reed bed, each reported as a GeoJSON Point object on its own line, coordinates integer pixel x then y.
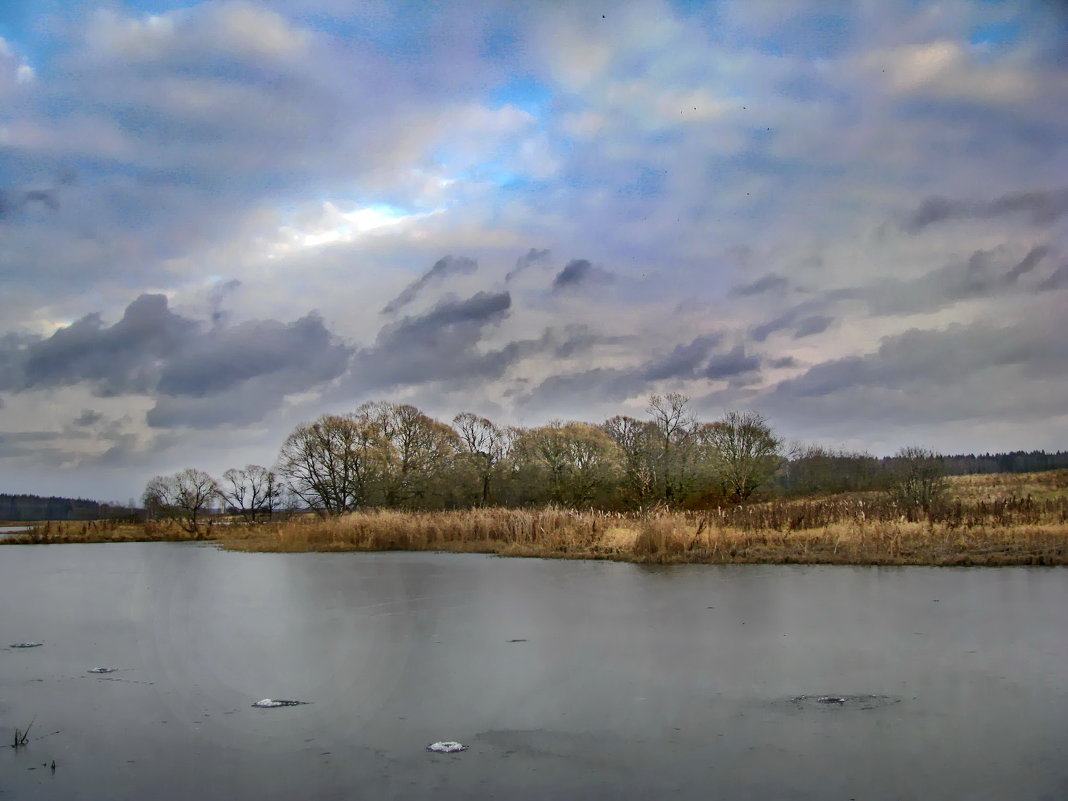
{"type": "Point", "coordinates": [985, 520]}
{"type": "Point", "coordinates": [833, 531]}
{"type": "Point", "coordinates": [54, 532]}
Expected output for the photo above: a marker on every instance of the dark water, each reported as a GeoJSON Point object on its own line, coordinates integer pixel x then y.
{"type": "Point", "coordinates": [566, 679]}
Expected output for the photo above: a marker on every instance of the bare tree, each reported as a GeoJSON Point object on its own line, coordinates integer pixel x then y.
{"type": "Point", "coordinates": [330, 464]}
{"type": "Point", "coordinates": [253, 491]}
{"type": "Point", "coordinates": [675, 426]}
{"type": "Point", "coordinates": [484, 445]}
{"type": "Point", "coordinates": [579, 458]}
{"type": "Point", "coordinates": [184, 496]}
{"type": "Point", "coordinates": [418, 449]}
{"type": "Point", "coordinates": [917, 478]}
{"type": "Point", "coordinates": [638, 446]}
{"type": "Point", "coordinates": [746, 451]}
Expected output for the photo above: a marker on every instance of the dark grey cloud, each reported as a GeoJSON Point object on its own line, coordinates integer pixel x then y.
{"type": "Point", "coordinates": [28, 443]}
{"type": "Point", "coordinates": [1027, 263]}
{"type": "Point", "coordinates": [683, 361]}
{"type": "Point", "coordinates": [222, 375]}
{"type": "Point", "coordinates": [785, 361]}
{"type": "Point", "coordinates": [531, 257]}
{"type": "Point", "coordinates": [574, 394]}
{"type": "Point", "coordinates": [13, 202]}
{"type": "Point", "coordinates": [732, 364]}
{"type": "Point", "coordinates": [88, 417]}
{"type": "Point", "coordinates": [931, 359]}
{"type": "Point", "coordinates": [575, 273]}
{"type": "Point", "coordinates": [809, 326]}
{"type": "Point", "coordinates": [117, 359]}
{"type": "Point", "coordinates": [1057, 280]}
{"type": "Point", "coordinates": [796, 319]}
{"type": "Point", "coordinates": [767, 283]}
{"type": "Point", "coordinates": [303, 352]}
{"type": "Point", "coordinates": [761, 332]}
{"type": "Point", "coordinates": [576, 338]}
{"type": "Point", "coordinates": [437, 346]}
{"type": "Point", "coordinates": [984, 274]}
{"type": "Point", "coordinates": [926, 377]}
{"type": "Point", "coordinates": [444, 267]}
{"type": "Point", "coordinates": [14, 349]}
{"type": "Point", "coordinates": [568, 393]}
{"type": "Point", "coordinates": [1040, 207]}
{"type": "Point", "coordinates": [236, 375]}
{"type": "Point", "coordinates": [218, 296]}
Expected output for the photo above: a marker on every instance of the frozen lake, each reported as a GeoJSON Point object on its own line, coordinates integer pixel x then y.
{"type": "Point", "coordinates": [565, 679]}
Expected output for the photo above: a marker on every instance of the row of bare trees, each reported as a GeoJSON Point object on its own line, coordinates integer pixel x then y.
{"type": "Point", "coordinates": [394, 455]}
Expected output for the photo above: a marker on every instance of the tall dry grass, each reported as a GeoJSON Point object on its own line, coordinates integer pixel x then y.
{"type": "Point", "coordinates": [55, 532]}
{"type": "Point", "coordinates": [493, 530]}
{"type": "Point", "coordinates": [832, 531]}
{"type": "Point", "coordinates": [1006, 520]}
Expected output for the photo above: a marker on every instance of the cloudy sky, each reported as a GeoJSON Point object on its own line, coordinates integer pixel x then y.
{"type": "Point", "coordinates": [221, 219]}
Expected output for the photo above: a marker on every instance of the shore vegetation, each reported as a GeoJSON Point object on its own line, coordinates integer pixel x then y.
{"type": "Point", "coordinates": [992, 519]}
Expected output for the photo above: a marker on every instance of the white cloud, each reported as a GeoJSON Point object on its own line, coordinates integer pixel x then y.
{"type": "Point", "coordinates": [238, 29]}
{"type": "Point", "coordinates": [949, 70]}
{"type": "Point", "coordinates": [333, 226]}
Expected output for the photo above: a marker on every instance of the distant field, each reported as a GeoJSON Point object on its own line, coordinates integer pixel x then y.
{"type": "Point", "coordinates": [1000, 519]}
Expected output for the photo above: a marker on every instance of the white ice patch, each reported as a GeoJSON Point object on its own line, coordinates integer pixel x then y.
{"type": "Point", "coordinates": [271, 703]}
{"type": "Point", "coordinates": [446, 747]}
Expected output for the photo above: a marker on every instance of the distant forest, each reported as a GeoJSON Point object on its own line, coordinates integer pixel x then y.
{"type": "Point", "coordinates": [1015, 462]}
{"type": "Point", "coordinates": [31, 507]}
{"type": "Point", "coordinates": [17, 508]}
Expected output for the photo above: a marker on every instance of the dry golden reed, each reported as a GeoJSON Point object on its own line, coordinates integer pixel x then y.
{"type": "Point", "coordinates": [988, 520]}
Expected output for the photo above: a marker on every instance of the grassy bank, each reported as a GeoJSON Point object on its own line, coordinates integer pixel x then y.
{"type": "Point", "coordinates": [987, 520]}
{"type": "Point", "coordinates": [54, 532]}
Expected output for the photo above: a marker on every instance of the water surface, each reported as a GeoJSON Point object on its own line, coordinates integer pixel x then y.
{"type": "Point", "coordinates": [566, 679]}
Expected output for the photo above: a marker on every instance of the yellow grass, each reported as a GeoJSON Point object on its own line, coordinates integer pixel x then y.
{"type": "Point", "coordinates": [56, 532]}
{"type": "Point", "coordinates": [1050, 485]}
{"type": "Point", "coordinates": [666, 538]}
{"type": "Point", "coordinates": [987, 520]}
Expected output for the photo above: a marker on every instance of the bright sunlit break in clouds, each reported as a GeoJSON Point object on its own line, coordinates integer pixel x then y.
{"type": "Point", "coordinates": [221, 219]}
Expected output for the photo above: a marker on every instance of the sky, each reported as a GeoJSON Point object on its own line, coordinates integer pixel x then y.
{"type": "Point", "coordinates": [219, 220]}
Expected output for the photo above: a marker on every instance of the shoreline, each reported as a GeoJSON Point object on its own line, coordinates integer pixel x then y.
{"type": "Point", "coordinates": [673, 538]}
{"type": "Point", "coordinates": [985, 520]}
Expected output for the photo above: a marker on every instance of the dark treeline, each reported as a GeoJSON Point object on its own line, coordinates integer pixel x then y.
{"type": "Point", "coordinates": [32, 508]}
{"type": "Point", "coordinates": [390, 455]}
{"type": "Point", "coordinates": [1014, 462]}
{"type": "Point", "coordinates": [814, 469]}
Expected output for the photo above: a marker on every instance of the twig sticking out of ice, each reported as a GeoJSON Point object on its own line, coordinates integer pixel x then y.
{"type": "Point", "coordinates": [26, 645]}
{"type": "Point", "coordinates": [101, 670]}
{"type": "Point", "coordinates": [271, 703]}
{"type": "Point", "coordinates": [446, 747]}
